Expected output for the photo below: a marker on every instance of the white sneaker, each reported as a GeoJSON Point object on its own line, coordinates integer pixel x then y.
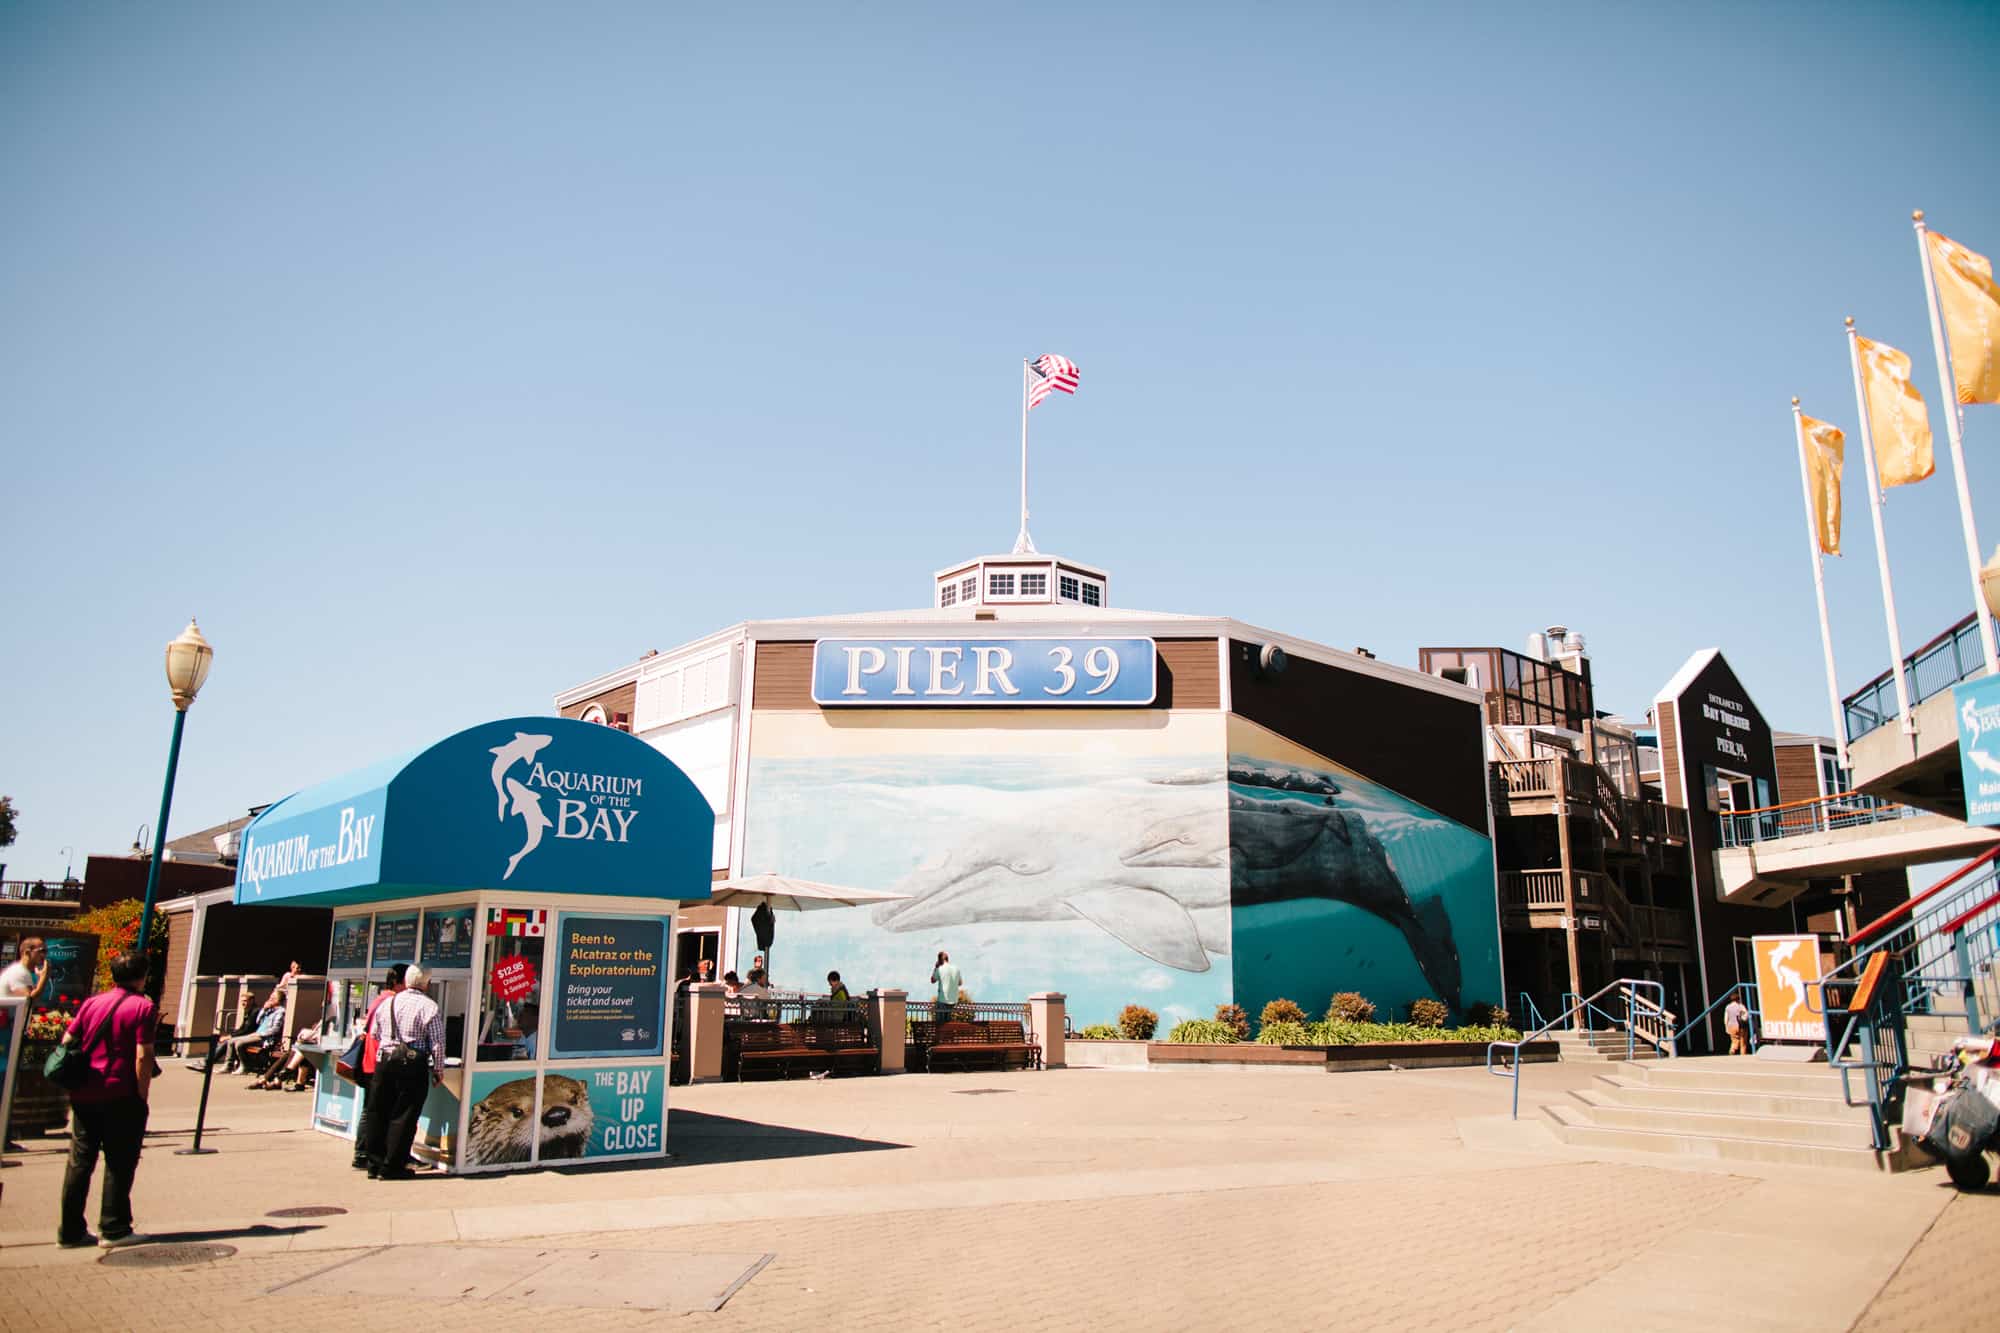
{"type": "Point", "coordinates": [120, 1242]}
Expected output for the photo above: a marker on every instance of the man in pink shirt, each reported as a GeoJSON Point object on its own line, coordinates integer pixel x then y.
{"type": "Point", "coordinates": [115, 1032]}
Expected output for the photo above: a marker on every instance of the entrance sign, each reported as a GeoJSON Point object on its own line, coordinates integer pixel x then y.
{"type": "Point", "coordinates": [997, 673]}
{"type": "Point", "coordinates": [1977, 703]}
{"type": "Point", "coordinates": [1787, 973]}
{"type": "Point", "coordinates": [611, 982]}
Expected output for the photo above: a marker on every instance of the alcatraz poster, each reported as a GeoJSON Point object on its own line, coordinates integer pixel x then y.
{"type": "Point", "coordinates": [612, 992]}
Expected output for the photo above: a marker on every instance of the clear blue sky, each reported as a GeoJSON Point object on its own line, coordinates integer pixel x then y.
{"type": "Point", "coordinates": [441, 357]}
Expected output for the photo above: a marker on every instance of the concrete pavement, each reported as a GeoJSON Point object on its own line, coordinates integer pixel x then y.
{"type": "Point", "coordinates": [1100, 1198]}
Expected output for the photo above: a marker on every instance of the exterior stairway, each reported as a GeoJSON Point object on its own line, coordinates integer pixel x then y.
{"type": "Point", "coordinates": [1602, 1045]}
{"type": "Point", "coordinates": [1731, 1107]}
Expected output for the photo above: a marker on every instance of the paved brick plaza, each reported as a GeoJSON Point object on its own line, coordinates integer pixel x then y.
{"type": "Point", "coordinates": [1080, 1198]}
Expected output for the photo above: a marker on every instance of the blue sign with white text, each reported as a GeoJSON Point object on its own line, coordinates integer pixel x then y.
{"type": "Point", "coordinates": [1004, 673]}
{"type": "Point", "coordinates": [1977, 703]}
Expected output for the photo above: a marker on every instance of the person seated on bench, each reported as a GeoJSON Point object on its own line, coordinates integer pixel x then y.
{"type": "Point", "coordinates": [270, 1021]}
{"type": "Point", "coordinates": [295, 1073]}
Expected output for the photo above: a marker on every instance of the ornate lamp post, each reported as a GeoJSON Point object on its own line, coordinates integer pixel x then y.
{"type": "Point", "coordinates": [188, 660]}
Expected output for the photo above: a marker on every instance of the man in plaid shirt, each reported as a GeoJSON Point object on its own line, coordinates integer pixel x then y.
{"type": "Point", "coordinates": [409, 1028]}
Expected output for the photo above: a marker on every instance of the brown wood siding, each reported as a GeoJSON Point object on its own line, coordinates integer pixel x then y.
{"type": "Point", "coordinates": [1670, 759]}
{"type": "Point", "coordinates": [618, 699]}
{"type": "Point", "coordinates": [180, 929]}
{"type": "Point", "coordinates": [1798, 773]}
{"type": "Point", "coordinates": [1190, 675]}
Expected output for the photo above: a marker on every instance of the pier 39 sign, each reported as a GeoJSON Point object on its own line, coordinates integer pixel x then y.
{"type": "Point", "coordinates": [1003, 673]}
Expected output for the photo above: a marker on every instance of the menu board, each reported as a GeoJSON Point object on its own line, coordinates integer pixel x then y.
{"type": "Point", "coordinates": [395, 939]}
{"type": "Point", "coordinates": [448, 937]}
{"type": "Point", "coordinates": [350, 944]}
{"type": "Point", "coordinates": [611, 986]}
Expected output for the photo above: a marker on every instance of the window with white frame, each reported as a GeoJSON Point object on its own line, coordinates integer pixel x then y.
{"type": "Point", "coordinates": [1093, 594]}
{"type": "Point", "coordinates": [1068, 588]}
{"type": "Point", "coordinates": [968, 589]}
{"type": "Point", "coordinates": [948, 595]}
{"type": "Point", "coordinates": [999, 585]}
{"type": "Point", "coordinates": [1034, 585]}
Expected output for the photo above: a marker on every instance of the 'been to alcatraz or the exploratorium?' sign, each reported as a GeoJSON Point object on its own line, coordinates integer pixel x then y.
{"type": "Point", "coordinates": [1978, 707]}
{"type": "Point", "coordinates": [1003, 673]}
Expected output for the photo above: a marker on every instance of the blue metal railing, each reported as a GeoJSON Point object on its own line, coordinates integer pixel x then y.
{"type": "Point", "coordinates": [1629, 987]}
{"type": "Point", "coordinates": [1846, 810]}
{"type": "Point", "coordinates": [1529, 1010]}
{"type": "Point", "coordinates": [1747, 990]}
{"type": "Point", "coordinates": [1573, 1002]}
{"type": "Point", "coordinates": [1951, 657]}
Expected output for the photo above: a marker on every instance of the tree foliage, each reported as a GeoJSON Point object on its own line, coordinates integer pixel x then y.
{"type": "Point", "coordinates": [7, 813]}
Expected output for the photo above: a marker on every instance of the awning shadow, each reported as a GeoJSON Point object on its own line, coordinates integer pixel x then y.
{"type": "Point", "coordinates": [695, 1138]}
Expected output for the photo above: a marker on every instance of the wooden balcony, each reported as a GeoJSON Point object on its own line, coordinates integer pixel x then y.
{"type": "Point", "coordinates": [1524, 787]}
{"type": "Point", "coordinates": [1534, 899]}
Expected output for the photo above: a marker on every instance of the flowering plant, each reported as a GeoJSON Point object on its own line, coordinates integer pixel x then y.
{"type": "Point", "coordinates": [48, 1024]}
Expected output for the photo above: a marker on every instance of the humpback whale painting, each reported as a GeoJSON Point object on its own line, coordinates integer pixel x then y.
{"type": "Point", "coordinates": [1174, 881]}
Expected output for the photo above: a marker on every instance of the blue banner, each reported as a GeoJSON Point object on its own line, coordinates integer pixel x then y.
{"type": "Point", "coordinates": [611, 982]}
{"type": "Point", "coordinates": [1003, 673]}
{"type": "Point", "coordinates": [1978, 707]}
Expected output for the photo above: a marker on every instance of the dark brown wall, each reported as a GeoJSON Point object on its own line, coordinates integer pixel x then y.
{"type": "Point", "coordinates": [1425, 745]}
{"type": "Point", "coordinates": [1798, 773]}
{"type": "Point", "coordinates": [1189, 677]}
{"type": "Point", "coordinates": [114, 879]}
{"type": "Point", "coordinates": [264, 939]}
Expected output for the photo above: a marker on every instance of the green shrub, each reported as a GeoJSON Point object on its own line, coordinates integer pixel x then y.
{"type": "Point", "coordinates": [1238, 1021]}
{"type": "Point", "coordinates": [1284, 1034]}
{"type": "Point", "coordinates": [1280, 1011]}
{"type": "Point", "coordinates": [1203, 1032]}
{"type": "Point", "coordinates": [1487, 1016]}
{"type": "Point", "coordinates": [1428, 1013]}
{"type": "Point", "coordinates": [1137, 1023]}
{"type": "Point", "coordinates": [1351, 1007]}
{"type": "Point", "coordinates": [1336, 1033]}
{"type": "Point", "coordinates": [1100, 1032]}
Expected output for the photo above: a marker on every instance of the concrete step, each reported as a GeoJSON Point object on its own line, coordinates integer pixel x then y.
{"type": "Point", "coordinates": [1631, 1091]}
{"type": "Point", "coordinates": [1573, 1125]}
{"type": "Point", "coordinates": [1590, 1054]}
{"type": "Point", "coordinates": [1607, 1111]}
{"type": "Point", "coordinates": [1737, 1073]}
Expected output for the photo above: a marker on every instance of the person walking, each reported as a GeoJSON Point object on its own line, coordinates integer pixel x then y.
{"type": "Point", "coordinates": [1736, 1022]}
{"type": "Point", "coordinates": [946, 976]}
{"type": "Point", "coordinates": [391, 983]}
{"type": "Point", "coordinates": [114, 1032]}
{"type": "Point", "coordinates": [409, 1060]}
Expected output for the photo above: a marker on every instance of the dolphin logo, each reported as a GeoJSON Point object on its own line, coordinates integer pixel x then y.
{"type": "Point", "coordinates": [528, 805]}
{"type": "Point", "coordinates": [522, 749]}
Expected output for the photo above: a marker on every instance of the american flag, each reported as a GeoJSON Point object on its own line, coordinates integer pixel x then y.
{"type": "Point", "coordinates": [1048, 374]}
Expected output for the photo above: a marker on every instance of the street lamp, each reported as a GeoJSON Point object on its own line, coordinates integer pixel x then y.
{"type": "Point", "coordinates": [1989, 583]}
{"type": "Point", "coordinates": [188, 659]}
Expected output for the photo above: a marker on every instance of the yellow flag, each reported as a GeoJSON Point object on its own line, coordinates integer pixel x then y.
{"type": "Point", "coordinates": [1970, 303]}
{"type": "Point", "coordinates": [1897, 421]}
{"type": "Point", "coordinates": [1826, 451]}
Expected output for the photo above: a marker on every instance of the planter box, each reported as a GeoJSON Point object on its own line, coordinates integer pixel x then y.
{"type": "Point", "coordinates": [1333, 1059]}
{"type": "Point", "coordinates": [39, 1106]}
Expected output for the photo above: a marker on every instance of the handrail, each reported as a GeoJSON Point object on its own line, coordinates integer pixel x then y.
{"type": "Point", "coordinates": [1810, 800]}
{"type": "Point", "coordinates": [1910, 658]}
{"type": "Point", "coordinates": [1904, 909]}
{"type": "Point", "coordinates": [1630, 986]}
{"type": "Point", "coordinates": [1529, 1008]}
{"type": "Point", "coordinates": [1749, 989]}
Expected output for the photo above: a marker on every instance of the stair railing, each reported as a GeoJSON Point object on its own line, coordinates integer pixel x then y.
{"type": "Point", "coordinates": [1529, 1010]}
{"type": "Point", "coordinates": [1650, 1023]}
{"type": "Point", "coordinates": [1628, 988]}
{"type": "Point", "coordinates": [1747, 991]}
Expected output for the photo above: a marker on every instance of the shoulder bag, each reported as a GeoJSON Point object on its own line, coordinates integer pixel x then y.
{"type": "Point", "coordinates": [68, 1064]}
{"type": "Point", "coordinates": [358, 1060]}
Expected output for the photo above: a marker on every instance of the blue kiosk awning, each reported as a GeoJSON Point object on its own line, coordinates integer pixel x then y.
{"type": "Point", "coordinates": [534, 804]}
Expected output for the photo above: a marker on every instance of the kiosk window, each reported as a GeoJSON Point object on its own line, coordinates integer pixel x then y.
{"type": "Point", "coordinates": [510, 994]}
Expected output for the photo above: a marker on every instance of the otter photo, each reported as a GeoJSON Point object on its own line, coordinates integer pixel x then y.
{"type": "Point", "coordinates": [504, 1126]}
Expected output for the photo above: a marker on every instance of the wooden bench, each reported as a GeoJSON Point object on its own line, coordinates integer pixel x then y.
{"type": "Point", "coordinates": [1001, 1044]}
{"type": "Point", "coordinates": [782, 1049]}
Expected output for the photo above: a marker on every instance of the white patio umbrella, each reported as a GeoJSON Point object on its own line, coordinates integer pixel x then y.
{"type": "Point", "coordinates": [783, 893]}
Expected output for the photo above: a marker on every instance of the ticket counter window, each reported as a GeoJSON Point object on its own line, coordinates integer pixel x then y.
{"type": "Point", "coordinates": [510, 1007]}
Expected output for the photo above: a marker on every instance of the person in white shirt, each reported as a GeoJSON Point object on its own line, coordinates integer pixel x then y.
{"type": "Point", "coordinates": [409, 1028]}
{"type": "Point", "coordinates": [27, 976]}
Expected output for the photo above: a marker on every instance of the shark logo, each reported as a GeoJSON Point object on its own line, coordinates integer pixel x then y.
{"type": "Point", "coordinates": [525, 803]}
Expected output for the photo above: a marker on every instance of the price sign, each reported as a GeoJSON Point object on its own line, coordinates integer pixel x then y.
{"type": "Point", "coordinates": [513, 979]}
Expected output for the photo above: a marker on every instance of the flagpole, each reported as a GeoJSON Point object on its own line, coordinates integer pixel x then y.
{"type": "Point", "coordinates": [1819, 586]}
{"type": "Point", "coordinates": [1954, 431]}
{"type": "Point", "coordinates": [1023, 543]}
{"type": "Point", "coordinates": [1881, 545]}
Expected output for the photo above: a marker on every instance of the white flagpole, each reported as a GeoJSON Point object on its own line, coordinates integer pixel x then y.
{"type": "Point", "coordinates": [1881, 547]}
{"type": "Point", "coordinates": [1023, 543]}
{"type": "Point", "coordinates": [1819, 586]}
{"type": "Point", "coordinates": [1954, 429]}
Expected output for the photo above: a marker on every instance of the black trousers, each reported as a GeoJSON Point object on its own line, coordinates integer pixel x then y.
{"type": "Point", "coordinates": [395, 1100]}
{"type": "Point", "coordinates": [117, 1130]}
